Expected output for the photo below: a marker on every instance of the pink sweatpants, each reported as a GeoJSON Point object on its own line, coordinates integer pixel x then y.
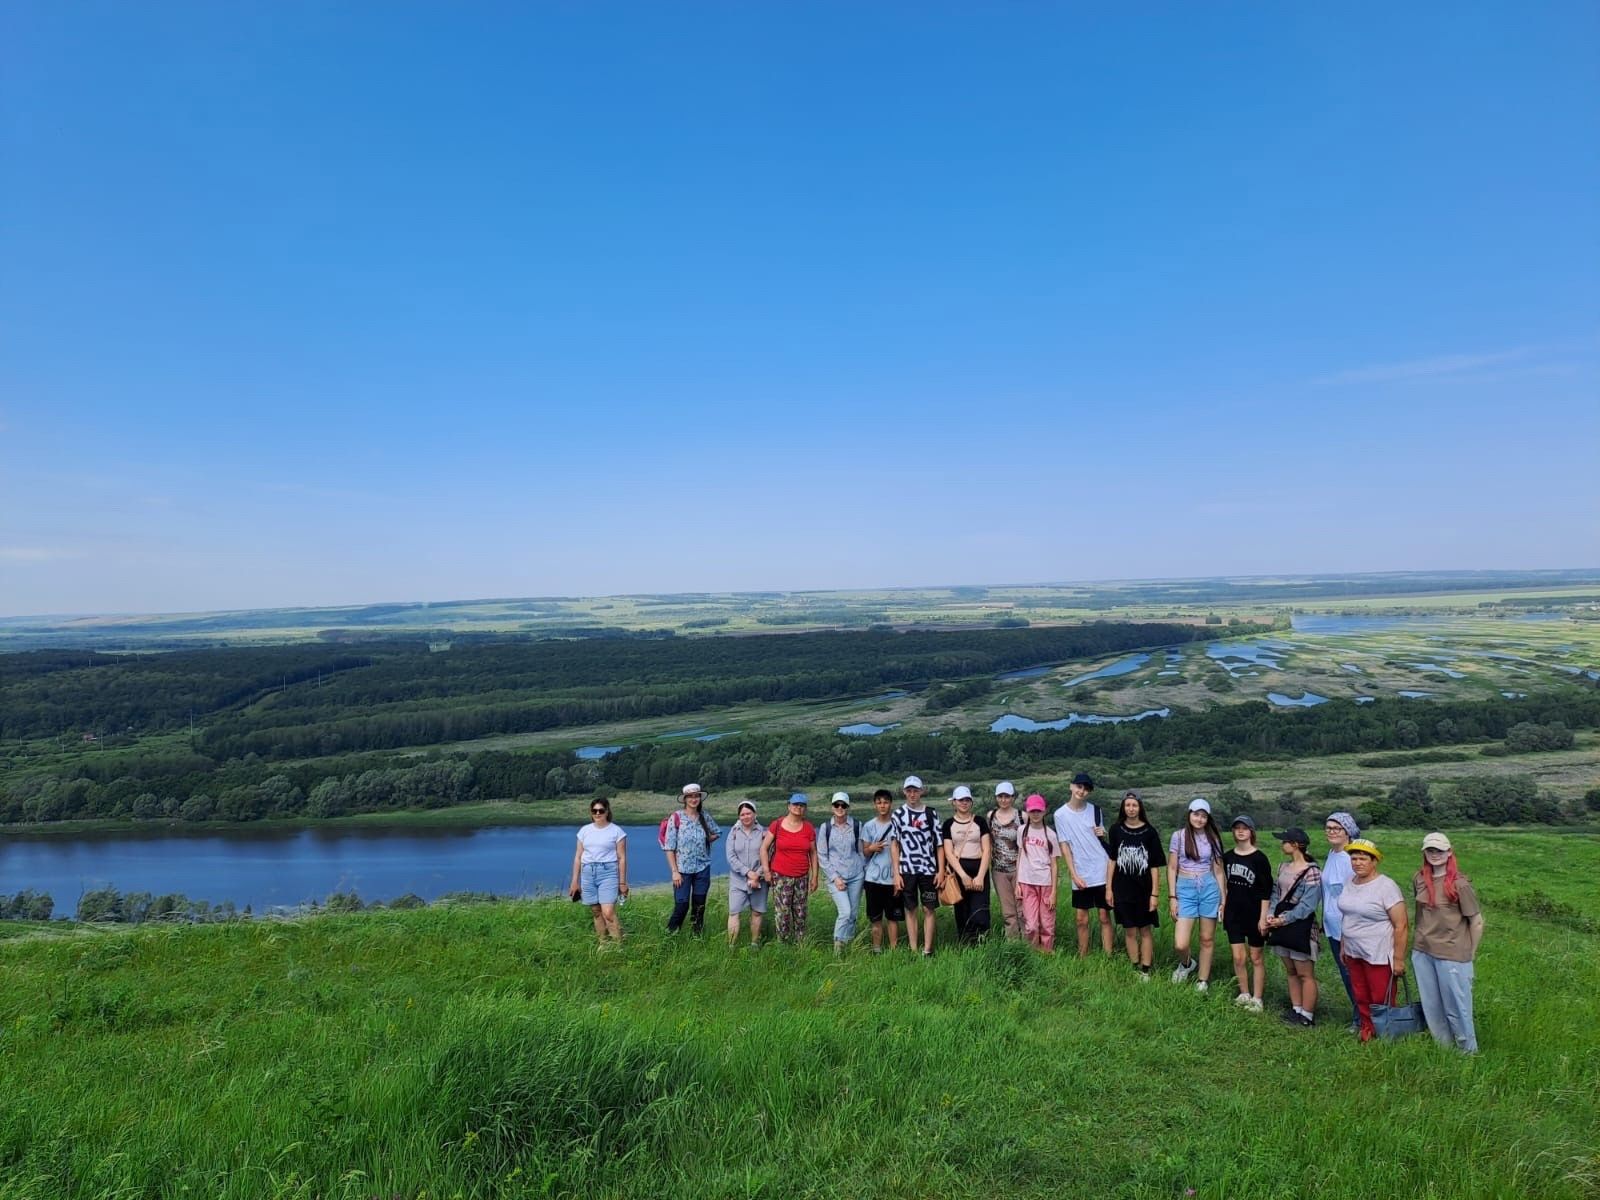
{"type": "Point", "coordinates": [1039, 915]}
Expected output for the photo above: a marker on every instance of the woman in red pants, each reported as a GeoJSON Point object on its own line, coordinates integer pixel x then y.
{"type": "Point", "coordinates": [1374, 945]}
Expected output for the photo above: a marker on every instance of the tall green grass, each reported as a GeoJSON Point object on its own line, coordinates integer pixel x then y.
{"type": "Point", "coordinates": [492, 1051]}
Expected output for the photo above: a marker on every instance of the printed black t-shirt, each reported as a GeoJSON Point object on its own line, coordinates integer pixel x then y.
{"type": "Point", "coordinates": [1249, 879]}
{"type": "Point", "coordinates": [1133, 853]}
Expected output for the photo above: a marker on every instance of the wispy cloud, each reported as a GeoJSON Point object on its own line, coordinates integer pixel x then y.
{"type": "Point", "coordinates": [1446, 365]}
{"type": "Point", "coordinates": [33, 554]}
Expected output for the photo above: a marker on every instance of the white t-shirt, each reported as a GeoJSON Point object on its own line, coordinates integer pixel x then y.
{"type": "Point", "coordinates": [1075, 830]}
{"type": "Point", "coordinates": [1368, 933]}
{"type": "Point", "coordinates": [600, 845]}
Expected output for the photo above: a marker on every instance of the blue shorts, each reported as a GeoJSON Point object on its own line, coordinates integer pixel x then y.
{"type": "Point", "coordinates": [598, 882]}
{"type": "Point", "coordinates": [1199, 897]}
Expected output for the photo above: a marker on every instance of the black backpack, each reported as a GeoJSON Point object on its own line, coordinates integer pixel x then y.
{"type": "Point", "coordinates": [827, 834]}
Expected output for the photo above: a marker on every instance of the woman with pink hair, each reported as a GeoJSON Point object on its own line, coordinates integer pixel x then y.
{"type": "Point", "coordinates": [1449, 927]}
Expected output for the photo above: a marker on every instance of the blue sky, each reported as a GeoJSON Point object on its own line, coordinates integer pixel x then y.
{"type": "Point", "coordinates": [328, 303]}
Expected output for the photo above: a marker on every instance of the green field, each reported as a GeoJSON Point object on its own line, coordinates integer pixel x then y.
{"type": "Point", "coordinates": [490, 1051]}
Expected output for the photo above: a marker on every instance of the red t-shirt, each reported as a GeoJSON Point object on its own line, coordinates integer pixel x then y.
{"type": "Point", "coordinates": [791, 852]}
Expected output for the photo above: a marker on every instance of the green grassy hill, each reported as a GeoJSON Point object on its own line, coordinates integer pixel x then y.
{"type": "Point", "coordinates": [490, 1050]}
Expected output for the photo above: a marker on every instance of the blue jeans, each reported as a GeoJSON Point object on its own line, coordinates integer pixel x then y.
{"type": "Point", "coordinates": [1334, 944]}
{"type": "Point", "coordinates": [1445, 988]}
{"type": "Point", "coordinates": [693, 889]}
{"type": "Point", "coordinates": [848, 904]}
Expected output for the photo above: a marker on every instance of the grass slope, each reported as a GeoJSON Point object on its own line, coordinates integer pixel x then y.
{"type": "Point", "coordinates": [490, 1051]}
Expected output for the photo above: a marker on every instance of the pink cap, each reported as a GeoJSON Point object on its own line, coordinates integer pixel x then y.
{"type": "Point", "coordinates": [1034, 803]}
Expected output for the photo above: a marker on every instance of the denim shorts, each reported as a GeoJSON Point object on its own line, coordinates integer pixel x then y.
{"type": "Point", "coordinates": [598, 882]}
{"type": "Point", "coordinates": [1199, 897]}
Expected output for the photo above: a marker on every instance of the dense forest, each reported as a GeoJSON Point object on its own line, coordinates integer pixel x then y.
{"type": "Point", "coordinates": [296, 701]}
{"type": "Point", "coordinates": [194, 787]}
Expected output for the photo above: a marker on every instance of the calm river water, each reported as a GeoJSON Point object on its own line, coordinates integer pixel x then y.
{"type": "Point", "coordinates": [266, 869]}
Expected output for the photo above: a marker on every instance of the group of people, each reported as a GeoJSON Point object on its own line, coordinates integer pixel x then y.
{"type": "Point", "coordinates": [903, 864]}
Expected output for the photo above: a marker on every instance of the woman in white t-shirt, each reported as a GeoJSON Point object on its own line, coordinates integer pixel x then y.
{"type": "Point", "coordinates": [1373, 913]}
{"type": "Point", "coordinates": [600, 870]}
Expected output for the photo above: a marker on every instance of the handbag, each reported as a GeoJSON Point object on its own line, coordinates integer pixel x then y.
{"type": "Point", "coordinates": [1399, 1020]}
{"type": "Point", "coordinates": [950, 891]}
{"type": "Point", "coordinates": [1296, 935]}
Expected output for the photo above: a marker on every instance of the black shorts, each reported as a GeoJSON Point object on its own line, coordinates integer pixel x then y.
{"type": "Point", "coordinates": [882, 902]}
{"type": "Point", "coordinates": [1242, 929]}
{"type": "Point", "coordinates": [1090, 897]}
{"type": "Point", "coordinates": [1134, 912]}
{"type": "Point", "coordinates": [919, 889]}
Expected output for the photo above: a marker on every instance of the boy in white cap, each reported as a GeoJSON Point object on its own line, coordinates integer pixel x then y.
{"type": "Point", "coordinates": [916, 831]}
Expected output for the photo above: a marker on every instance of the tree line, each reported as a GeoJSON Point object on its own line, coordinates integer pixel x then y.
{"type": "Point", "coordinates": [195, 788]}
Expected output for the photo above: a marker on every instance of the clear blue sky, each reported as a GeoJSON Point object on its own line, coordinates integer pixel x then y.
{"type": "Point", "coordinates": [330, 303]}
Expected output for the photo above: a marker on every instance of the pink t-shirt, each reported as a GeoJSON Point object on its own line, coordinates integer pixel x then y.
{"type": "Point", "coordinates": [1036, 849]}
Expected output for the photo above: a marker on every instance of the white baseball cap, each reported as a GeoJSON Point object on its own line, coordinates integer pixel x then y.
{"type": "Point", "coordinates": [1199, 804]}
{"type": "Point", "coordinates": [690, 789]}
{"type": "Point", "coordinates": [911, 781]}
{"type": "Point", "coordinates": [1005, 788]}
{"type": "Point", "coordinates": [841, 798]}
{"type": "Point", "coordinates": [961, 793]}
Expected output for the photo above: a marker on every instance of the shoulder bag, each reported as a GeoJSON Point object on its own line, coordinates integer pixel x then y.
{"type": "Point", "coordinates": [1399, 1020]}
{"type": "Point", "coordinates": [1296, 935]}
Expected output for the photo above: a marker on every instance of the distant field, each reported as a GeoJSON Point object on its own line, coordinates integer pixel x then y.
{"type": "Point", "coordinates": [766, 612]}
{"type": "Point", "coordinates": [488, 1051]}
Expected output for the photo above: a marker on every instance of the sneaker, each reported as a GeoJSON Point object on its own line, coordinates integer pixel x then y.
{"type": "Point", "coordinates": [1144, 974]}
{"type": "Point", "coordinates": [1253, 1004]}
{"type": "Point", "coordinates": [1242, 999]}
{"type": "Point", "coordinates": [1297, 1020]}
{"type": "Point", "coordinates": [1202, 986]}
{"type": "Point", "coordinates": [1183, 970]}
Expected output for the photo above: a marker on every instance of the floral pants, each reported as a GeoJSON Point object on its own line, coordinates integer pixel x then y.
{"type": "Point", "coordinates": [791, 898]}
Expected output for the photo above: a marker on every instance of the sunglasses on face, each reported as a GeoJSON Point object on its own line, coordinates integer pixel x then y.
{"type": "Point", "coordinates": [599, 811]}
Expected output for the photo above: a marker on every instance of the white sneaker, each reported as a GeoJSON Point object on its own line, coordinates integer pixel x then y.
{"type": "Point", "coordinates": [1254, 1005]}
{"type": "Point", "coordinates": [1202, 986]}
{"type": "Point", "coordinates": [1242, 999]}
{"type": "Point", "coordinates": [1183, 970]}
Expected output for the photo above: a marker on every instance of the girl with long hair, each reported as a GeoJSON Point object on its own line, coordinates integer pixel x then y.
{"type": "Point", "coordinates": [1194, 879]}
{"type": "Point", "coordinates": [1133, 885]}
{"type": "Point", "coordinates": [1449, 928]}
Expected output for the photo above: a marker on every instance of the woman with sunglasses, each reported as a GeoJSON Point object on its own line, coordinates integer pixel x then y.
{"type": "Point", "coordinates": [600, 870]}
{"type": "Point", "coordinates": [1373, 911]}
{"type": "Point", "coordinates": [789, 858]}
{"type": "Point", "coordinates": [1449, 928]}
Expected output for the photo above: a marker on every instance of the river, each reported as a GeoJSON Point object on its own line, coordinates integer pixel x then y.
{"type": "Point", "coordinates": [269, 869]}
